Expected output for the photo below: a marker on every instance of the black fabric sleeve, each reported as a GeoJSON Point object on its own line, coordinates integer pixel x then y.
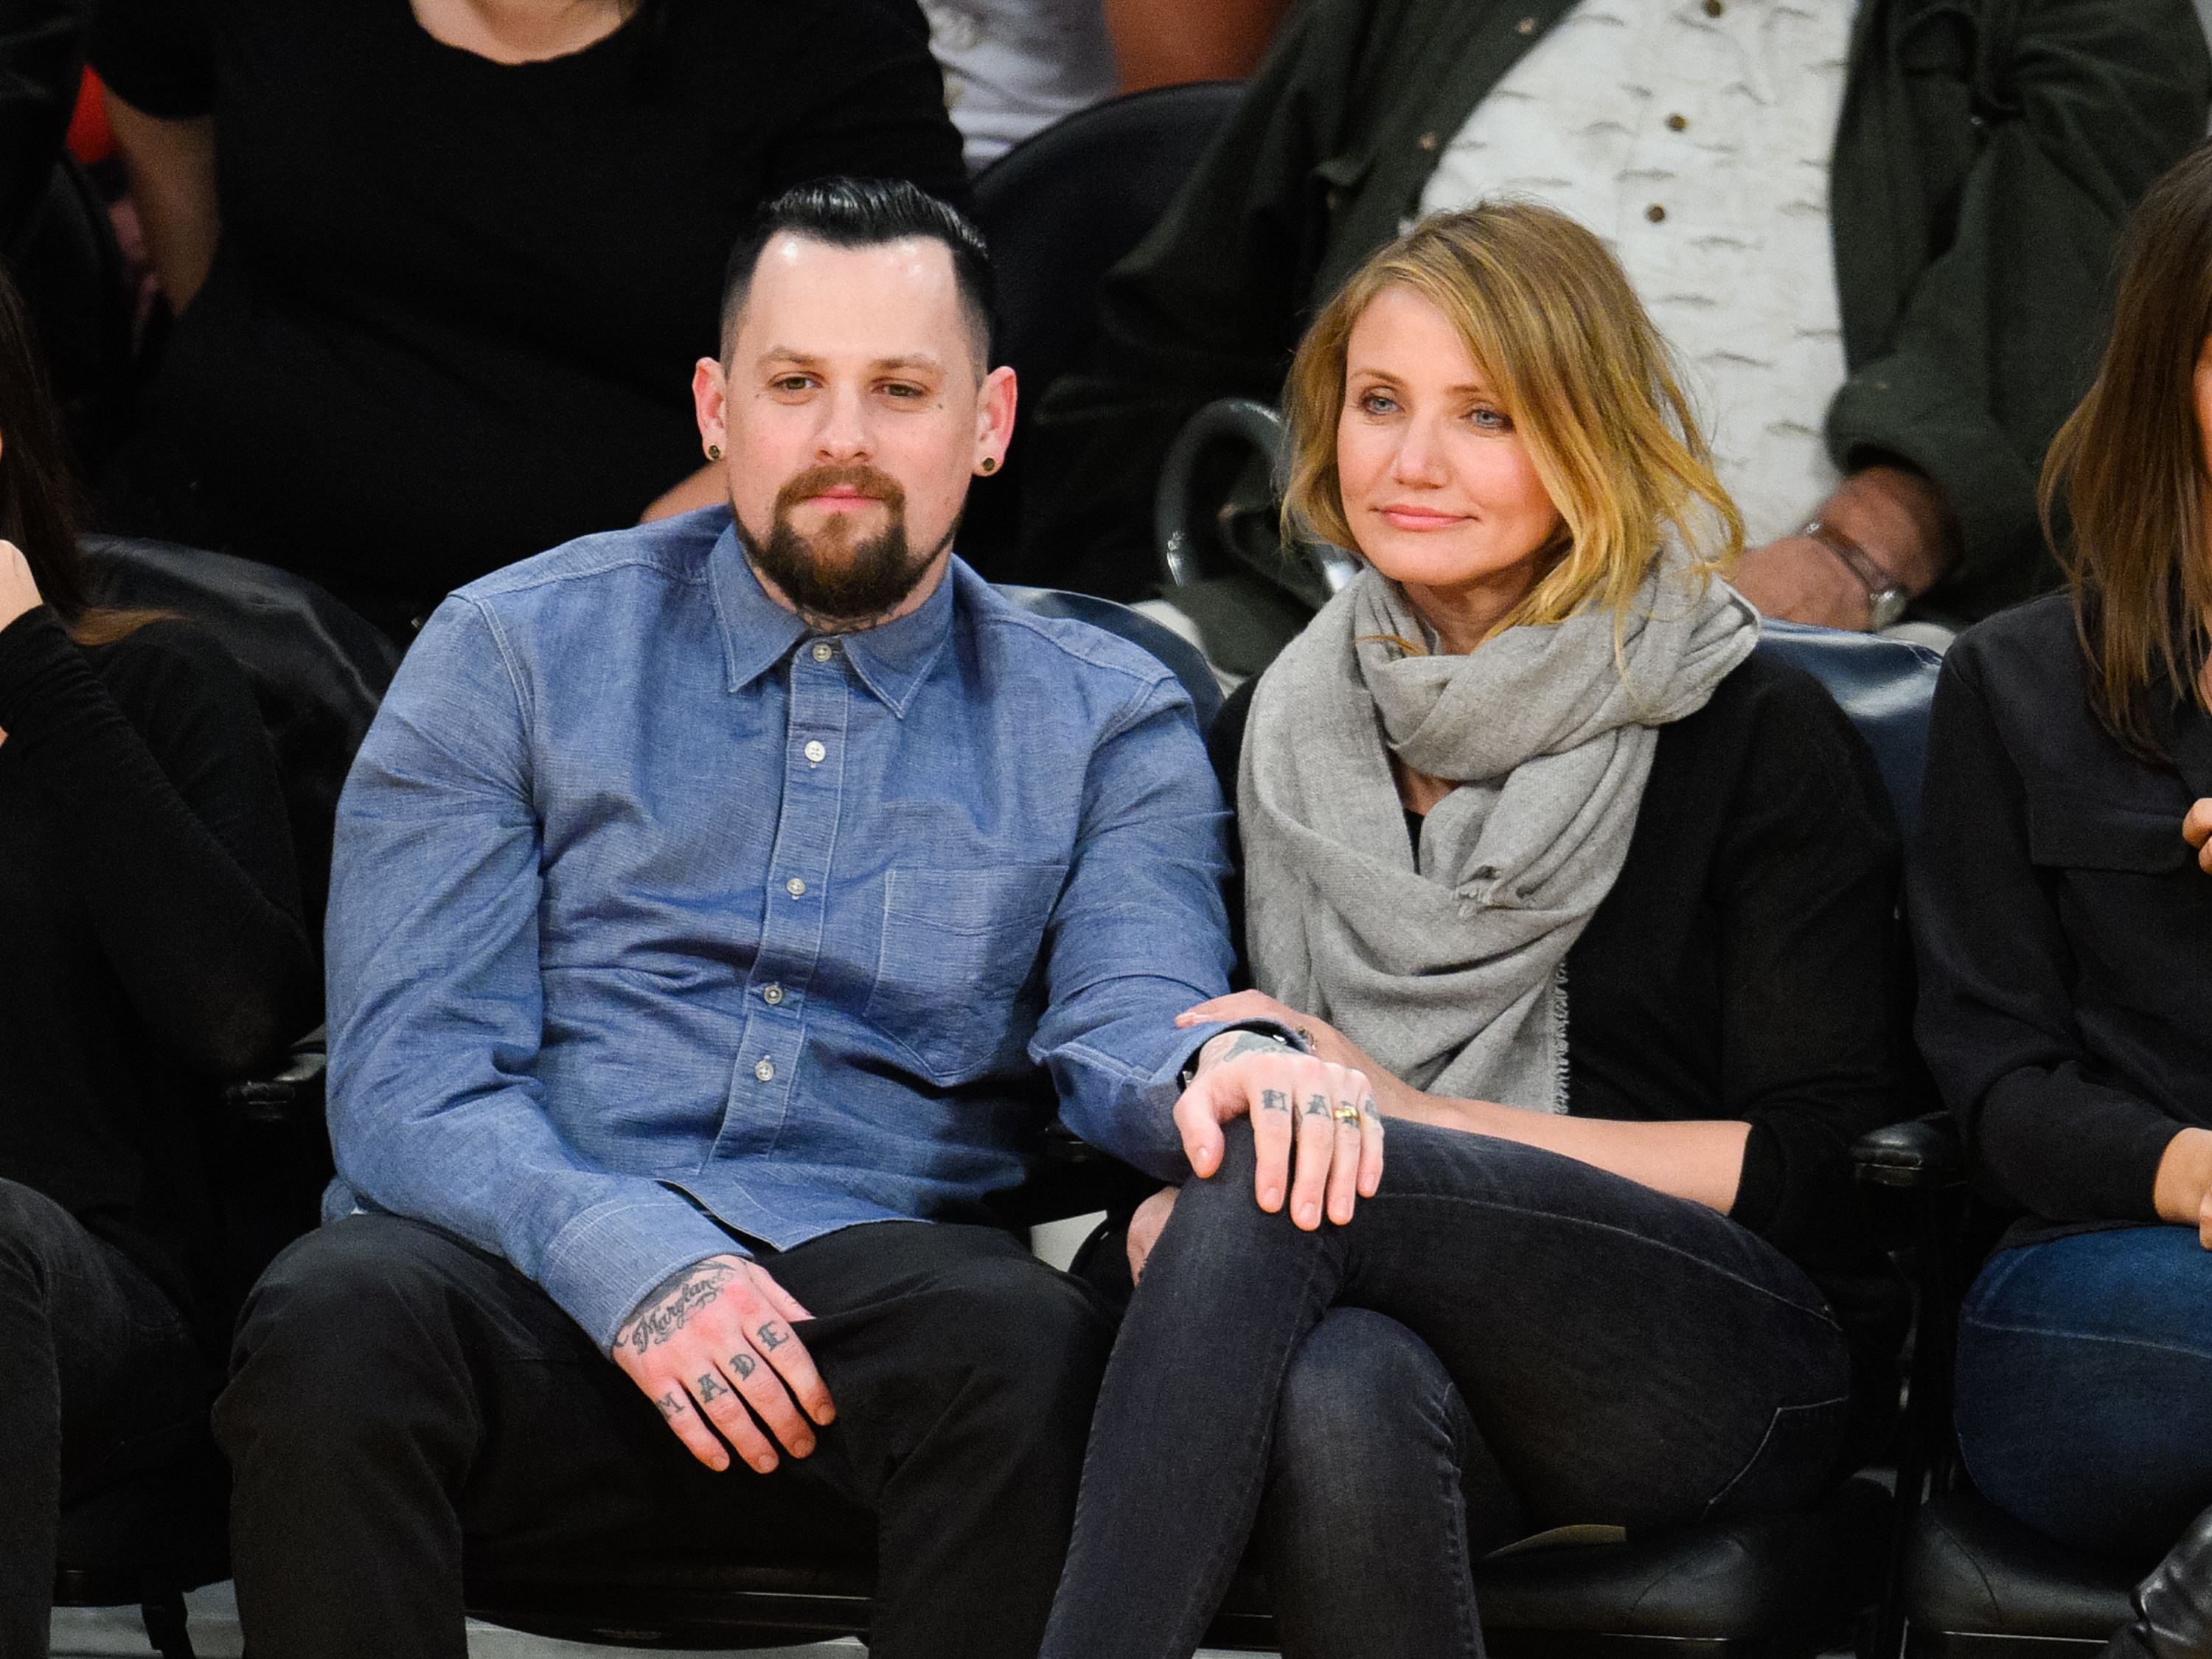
{"type": "Point", "coordinates": [172, 830]}
{"type": "Point", "coordinates": [1996, 1021]}
{"type": "Point", "coordinates": [41, 62]}
{"type": "Point", "coordinates": [881, 116]}
{"type": "Point", "coordinates": [1809, 960]}
{"type": "Point", "coordinates": [156, 55]}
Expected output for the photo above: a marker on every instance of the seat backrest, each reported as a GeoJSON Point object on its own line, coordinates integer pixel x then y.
{"type": "Point", "coordinates": [317, 669]}
{"type": "Point", "coordinates": [1886, 686]}
{"type": "Point", "coordinates": [1062, 207]}
{"type": "Point", "coordinates": [1187, 661]}
{"type": "Point", "coordinates": [1060, 210]}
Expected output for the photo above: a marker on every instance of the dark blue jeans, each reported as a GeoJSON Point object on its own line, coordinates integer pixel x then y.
{"type": "Point", "coordinates": [96, 1369]}
{"type": "Point", "coordinates": [1502, 1340]}
{"type": "Point", "coordinates": [2085, 1382]}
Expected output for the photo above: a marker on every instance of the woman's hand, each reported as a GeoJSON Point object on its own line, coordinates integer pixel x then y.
{"type": "Point", "coordinates": [1311, 1112]}
{"type": "Point", "coordinates": [1144, 1228]}
{"type": "Point", "coordinates": [2197, 830]}
{"type": "Point", "coordinates": [2182, 1190]}
{"type": "Point", "coordinates": [18, 592]}
{"type": "Point", "coordinates": [1327, 1042]}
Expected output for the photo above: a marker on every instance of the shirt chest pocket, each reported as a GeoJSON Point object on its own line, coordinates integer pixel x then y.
{"type": "Point", "coordinates": [2073, 833]}
{"type": "Point", "coordinates": [960, 977]}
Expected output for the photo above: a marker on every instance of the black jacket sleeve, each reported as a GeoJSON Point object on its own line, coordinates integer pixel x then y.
{"type": "Point", "coordinates": [2042, 1129]}
{"type": "Point", "coordinates": [171, 828]}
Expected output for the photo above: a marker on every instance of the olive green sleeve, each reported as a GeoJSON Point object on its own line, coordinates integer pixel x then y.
{"type": "Point", "coordinates": [2027, 169]}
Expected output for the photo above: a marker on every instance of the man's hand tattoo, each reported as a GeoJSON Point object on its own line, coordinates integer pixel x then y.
{"type": "Point", "coordinates": [743, 1365]}
{"type": "Point", "coordinates": [1275, 1100]}
{"type": "Point", "coordinates": [670, 1405]}
{"type": "Point", "coordinates": [672, 1302]}
{"type": "Point", "coordinates": [710, 1388]}
{"type": "Point", "coordinates": [1245, 1042]}
{"type": "Point", "coordinates": [770, 1338]}
{"type": "Point", "coordinates": [1316, 1105]}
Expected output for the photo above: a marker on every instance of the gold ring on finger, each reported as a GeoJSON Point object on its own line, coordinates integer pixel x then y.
{"type": "Point", "coordinates": [1348, 1114]}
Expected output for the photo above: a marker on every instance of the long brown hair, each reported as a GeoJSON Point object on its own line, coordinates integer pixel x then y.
{"type": "Point", "coordinates": [1549, 318]}
{"type": "Point", "coordinates": [40, 510]}
{"type": "Point", "coordinates": [2130, 465]}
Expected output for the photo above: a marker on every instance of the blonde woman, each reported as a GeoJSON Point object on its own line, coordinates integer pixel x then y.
{"type": "Point", "coordinates": [1601, 907]}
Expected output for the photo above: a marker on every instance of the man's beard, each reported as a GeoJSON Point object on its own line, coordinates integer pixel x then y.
{"type": "Point", "coordinates": [835, 583]}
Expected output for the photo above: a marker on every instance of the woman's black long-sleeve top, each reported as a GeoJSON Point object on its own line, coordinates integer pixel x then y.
{"type": "Point", "coordinates": [2064, 931]}
{"type": "Point", "coordinates": [1745, 966]}
{"type": "Point", "coordinates": [153, 938]}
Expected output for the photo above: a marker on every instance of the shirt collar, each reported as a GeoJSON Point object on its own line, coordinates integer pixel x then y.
{"type": "Point", "coordinates": [757, 633]}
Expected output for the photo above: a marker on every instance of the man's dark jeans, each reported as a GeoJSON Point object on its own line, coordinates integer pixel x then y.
{"type": "Point", "coordinates": [2085, 1378]}
{"type": "Point", "coordinates": [401, 1403]}
{"type": "Point", "coordinates": [97, 1372]}
{"type": "Point", "coordinates": [1502, 1340]}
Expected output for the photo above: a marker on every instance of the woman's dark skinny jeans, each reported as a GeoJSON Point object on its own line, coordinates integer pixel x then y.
{"type": "Point", "coordinates": [1518, 1341]}
{"type": "Point", "coordinates": [99, 1377]}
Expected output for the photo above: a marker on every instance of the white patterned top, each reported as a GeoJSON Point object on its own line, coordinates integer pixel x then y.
{"type": "Point", "coordinates": [1013, 66]}
{"type": "Point", "coordinates": [1694, 137]}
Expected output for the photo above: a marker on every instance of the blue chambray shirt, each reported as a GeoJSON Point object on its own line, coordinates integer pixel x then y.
{"type": "Point", "coordinates": [650, 910]}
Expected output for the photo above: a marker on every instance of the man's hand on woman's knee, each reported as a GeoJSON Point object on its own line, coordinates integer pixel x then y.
{"type": "Point", "coordinates": [1314, 1124]}
{"type": "Point", "coordinates": [715, 1339]}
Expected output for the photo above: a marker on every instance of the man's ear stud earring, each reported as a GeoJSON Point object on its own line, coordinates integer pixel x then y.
{"type": "Point", "coordinates": [989, 465]}
{"type": "Point", "coordinates": [714, 452]}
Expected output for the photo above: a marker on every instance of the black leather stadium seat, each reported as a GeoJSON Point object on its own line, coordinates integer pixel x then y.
{"type": "Point", "coordinates": [318, 670]}
{"type": "Point", "coordinates": [1979, 1585]}
{"type": "Point", "coordinates": [1060, 210]}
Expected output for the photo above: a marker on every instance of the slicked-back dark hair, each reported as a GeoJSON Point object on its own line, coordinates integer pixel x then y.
{"type": "Point", "coordinates": [867, 213]}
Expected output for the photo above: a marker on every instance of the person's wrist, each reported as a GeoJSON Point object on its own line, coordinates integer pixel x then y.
{"type": "Point", "coordinates": [1226, 1045]}
{"type": "Point", "coordinates": [1885, 596]}
{"type": "Point", "coordinates": [1900, 517]}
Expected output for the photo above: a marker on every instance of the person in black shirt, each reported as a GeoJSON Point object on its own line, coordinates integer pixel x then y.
{"type": "Point", "coordinates": [440, 302]}
{"type": "Point", "coordinates": [2062, 906]}
{"type": "Point", "coordinates": [154, 944]}
{"type": "Point", "coordinates": [1601, 909]}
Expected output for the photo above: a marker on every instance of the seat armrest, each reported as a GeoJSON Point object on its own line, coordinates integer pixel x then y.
{"type": "Point", "coordinates": [290, 1095]}
{"type": "Point", "coordinates": [1922, 1153]}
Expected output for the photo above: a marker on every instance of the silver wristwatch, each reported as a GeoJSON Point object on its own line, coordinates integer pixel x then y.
{"type": "Point", "coordinates": [1886, 598]}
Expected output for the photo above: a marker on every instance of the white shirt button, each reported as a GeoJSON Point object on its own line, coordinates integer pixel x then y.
{"type": "Point", "coordinates": [815, 753]}
{"type": "Point", "coordinates": [772, 994]}
{"type": "Point", "coordinates": [795, 887]}
{"type": "Point", "coordinates": [765, 1071]}
{"type": "Point", "coordinates": [823, 652]}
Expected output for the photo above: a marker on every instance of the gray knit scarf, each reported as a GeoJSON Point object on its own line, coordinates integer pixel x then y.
{"type": "Point", "coordinates": [1449, 971]}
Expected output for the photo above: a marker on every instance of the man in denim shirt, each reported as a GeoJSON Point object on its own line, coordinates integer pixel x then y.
{"type": "Point", "coordinates": [720, 909]}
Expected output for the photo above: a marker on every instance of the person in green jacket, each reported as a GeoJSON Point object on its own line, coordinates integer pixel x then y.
{"type": "Point", "coordinates": [1883, 256]}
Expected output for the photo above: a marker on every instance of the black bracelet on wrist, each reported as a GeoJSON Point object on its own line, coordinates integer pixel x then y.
{"type": "Point", "coordinates": [1190, 1066]}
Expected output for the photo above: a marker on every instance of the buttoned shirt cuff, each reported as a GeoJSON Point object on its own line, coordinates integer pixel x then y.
{"type": "Point", "coordinates": [606, 1260]}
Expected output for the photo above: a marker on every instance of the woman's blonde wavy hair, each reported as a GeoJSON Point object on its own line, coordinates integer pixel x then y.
{"type": "Point", "coordinates": [1562, 342]}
